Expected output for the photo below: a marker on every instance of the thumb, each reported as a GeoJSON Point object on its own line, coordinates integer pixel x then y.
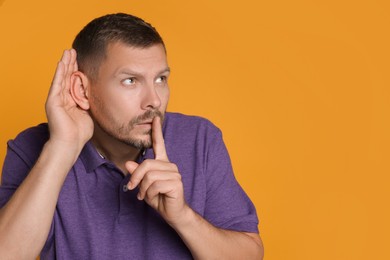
{"type": "Point", "coordinates": [131, 167]}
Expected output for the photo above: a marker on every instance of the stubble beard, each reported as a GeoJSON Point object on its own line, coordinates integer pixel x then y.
{"type": "Point", "coordinates": [124, 133]}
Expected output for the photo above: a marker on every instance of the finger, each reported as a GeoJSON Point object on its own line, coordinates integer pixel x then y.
{"type": "Point", "coordinates": [70, 68]}
{"type": "Point", "coordinates": [59, 74]}
{"type": "Point", "coordinates": [131, 167]}
{"type": "Point", "coordinates": [73, 61]}
{"type": "Point", "coordinates": [58, 77]}
{"type": "Point", "coordinates": [75, 68]}
{"type": "Point", "coordinates": [170, 188]}
{"type": "Point", "coordinates": [153, 177]}
{"type": "Point", "coordinates": [160, 152]}
{"type": "Point", "coordinates": [66, 59]}
{"type": "Point", "coordinates": [138, 172]}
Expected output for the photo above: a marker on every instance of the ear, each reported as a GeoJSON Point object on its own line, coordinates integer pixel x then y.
{"type": "Point", "coordinates": [79, 89]}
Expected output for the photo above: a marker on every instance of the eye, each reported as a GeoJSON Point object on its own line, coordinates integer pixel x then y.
{"type": "Point", "coordinates": [128, 81]}
{"type": "Point", "coordinates": [161, 79]}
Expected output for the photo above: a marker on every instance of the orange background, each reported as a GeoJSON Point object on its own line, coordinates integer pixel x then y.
{"type": "Point", "coordinates": [299, 88]}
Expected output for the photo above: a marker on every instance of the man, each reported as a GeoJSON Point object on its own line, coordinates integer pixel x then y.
{"type": "Point", "coordinates": [112, 175]}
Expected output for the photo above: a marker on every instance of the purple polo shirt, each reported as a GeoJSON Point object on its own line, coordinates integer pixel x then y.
{"type": "Point", "coordinates": [96, 218]}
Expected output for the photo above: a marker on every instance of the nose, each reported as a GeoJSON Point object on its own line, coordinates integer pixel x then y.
{"type": "Point", "coordinates": [151, 98]}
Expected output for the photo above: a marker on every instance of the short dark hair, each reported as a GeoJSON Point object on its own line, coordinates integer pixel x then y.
{"type": "Point", "coordinates": [92, 41]}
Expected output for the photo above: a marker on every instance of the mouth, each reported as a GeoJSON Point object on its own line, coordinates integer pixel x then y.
{"type": "Point", "coordinates": [146, 119]}
{"type": "Point", "coordinates": [145, 124]}
{"type": "Point", "coordinates": [149, 122]}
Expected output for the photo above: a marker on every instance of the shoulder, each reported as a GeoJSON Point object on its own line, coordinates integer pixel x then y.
{"type": "Point", "coordinates": [29, 143]}
{"type": "Point", "coordinates": [176, 123]}
{"type": "Point", "coordinates": [33, 136]}
{"type": "Point", "coordinates": [189, 136]}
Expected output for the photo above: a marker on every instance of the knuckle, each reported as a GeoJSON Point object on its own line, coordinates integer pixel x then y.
{"type": "Point", "coordinates": [147, 162]}
{"type": "Point", "coordinates": [149, 177]}
{"type": "Point", "coordinates": [179, 186]}
{"type": "Point", "coordinates": [148, 196]}
{"type": "Point", "coordinates": [178, 176]}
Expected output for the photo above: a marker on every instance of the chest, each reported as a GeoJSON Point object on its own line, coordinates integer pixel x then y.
{"type": "Point", "coordinates": [98, 218]}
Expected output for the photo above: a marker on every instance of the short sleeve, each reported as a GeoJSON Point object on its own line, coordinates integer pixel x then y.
{"type": "Point", "coordinates": [227, 205]}
{"type": "Point", "coordinates": [22, 153]}
{"type": "Point", "coordinates": [15, 169]}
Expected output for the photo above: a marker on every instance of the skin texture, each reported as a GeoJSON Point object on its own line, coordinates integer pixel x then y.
{"type": "Point", "coordinates": [126, 105]}
{"type": "Point", "coordinates": [130, 90]}
{"type": "Point", "coordinates": [25, 220]}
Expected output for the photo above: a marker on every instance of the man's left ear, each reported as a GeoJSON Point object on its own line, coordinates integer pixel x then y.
{"type": "Point", "coordinates": [79, 89]}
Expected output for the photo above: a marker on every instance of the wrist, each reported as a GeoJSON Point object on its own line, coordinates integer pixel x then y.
{"type": "Point", "coordinates": [67, 151]}
{"type": "Point", "coordinates": [188, 218]}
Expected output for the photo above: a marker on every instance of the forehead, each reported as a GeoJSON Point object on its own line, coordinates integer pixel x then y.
{"type": "Point", "coordinates": [121, 56]}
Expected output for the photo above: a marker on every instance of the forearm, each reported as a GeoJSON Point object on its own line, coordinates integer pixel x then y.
{"type": "Point", "coordinates": [25, 220]}
{"type": "Point", "coordinates": [206, 241]}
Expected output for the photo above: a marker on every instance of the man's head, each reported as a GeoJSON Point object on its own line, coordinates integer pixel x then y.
{"type": "Point", "coordinates": [92, 41]}
{"type": "Point", "coordinates": [122, 78]}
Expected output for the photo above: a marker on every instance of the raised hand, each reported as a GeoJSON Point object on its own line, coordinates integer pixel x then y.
{"type": "Point", "coordinates": [68, 123]}
{"type": "Point", "coordinates": [159, 180]}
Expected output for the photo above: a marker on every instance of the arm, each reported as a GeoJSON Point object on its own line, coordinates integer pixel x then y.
{"type": "Point", "coordinates": [26, 219]}
{"type": "Point", "coordinates": [206, 241]}
{"type": "Point", "coordinates": [160, 186]}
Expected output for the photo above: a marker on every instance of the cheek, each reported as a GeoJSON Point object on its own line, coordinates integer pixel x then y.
{"type": "Point", "coordinates": [101, 108]}
{"type": "Point", "coordinates": [164, 96]}
{"type": "Point", "coordinates": [95, 104]}
{"type": "Point", "coordinates": [105, 101]}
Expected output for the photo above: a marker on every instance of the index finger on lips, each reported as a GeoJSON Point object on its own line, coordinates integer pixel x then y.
{"type": "Point", "coordinates": [160, 152]}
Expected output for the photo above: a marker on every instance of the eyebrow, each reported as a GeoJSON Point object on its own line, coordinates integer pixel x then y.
{"type": "Point", "coordinates": [166, 70]}
{"type": "Point", "coordinates": [134, 73]}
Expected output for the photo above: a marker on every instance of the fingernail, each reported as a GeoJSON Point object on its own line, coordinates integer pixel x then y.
{"type": "Point", "coordinates": [130, 186]}
{"type": "Point", "coordinates": [139, 196]}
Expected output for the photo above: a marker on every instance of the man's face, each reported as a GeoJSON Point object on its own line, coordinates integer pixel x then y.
{"type": "Point", "coordinates": [129, 91]}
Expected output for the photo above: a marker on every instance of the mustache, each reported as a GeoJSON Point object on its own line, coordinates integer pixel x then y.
{"type": "Point", "coordinates": [148, 115]}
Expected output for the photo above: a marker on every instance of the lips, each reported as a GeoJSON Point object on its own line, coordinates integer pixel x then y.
{"type": "Point", "coordinates": [145, 123]}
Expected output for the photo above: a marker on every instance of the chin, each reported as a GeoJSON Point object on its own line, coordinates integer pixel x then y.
{"type": "Point", "coordinates": [139, 143]}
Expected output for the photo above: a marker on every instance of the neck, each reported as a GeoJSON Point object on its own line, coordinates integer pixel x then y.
{"type": "Point", "coordinates": [114, 150]}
